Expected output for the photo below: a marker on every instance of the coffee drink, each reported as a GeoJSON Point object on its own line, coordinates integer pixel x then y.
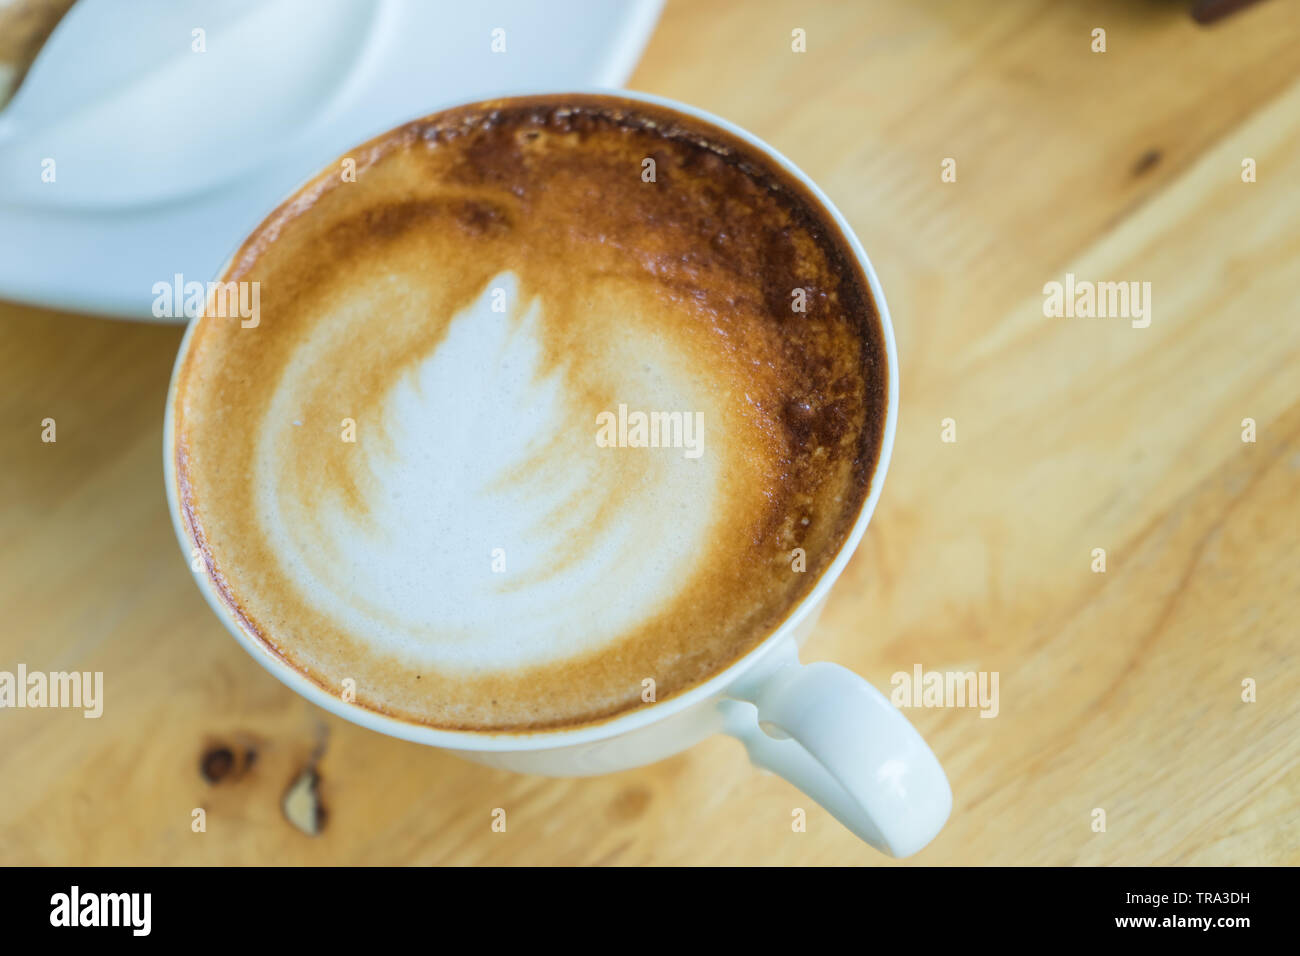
{"type": "Point", "coordinates": [555, 406]}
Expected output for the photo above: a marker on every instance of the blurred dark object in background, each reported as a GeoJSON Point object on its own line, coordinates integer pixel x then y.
{"type": "Point", "coordinates": [1208, 11]}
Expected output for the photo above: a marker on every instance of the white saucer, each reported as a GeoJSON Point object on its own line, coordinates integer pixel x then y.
{"type": "Point", "coordinates": [164, 157]}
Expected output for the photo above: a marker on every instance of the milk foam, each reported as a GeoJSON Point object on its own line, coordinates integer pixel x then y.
{"type": "Point", "coordinates": [477, 448]}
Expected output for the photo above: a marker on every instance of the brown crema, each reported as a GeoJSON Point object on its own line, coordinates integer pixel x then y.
{"type": "Point", "coordinates": [361, 283]}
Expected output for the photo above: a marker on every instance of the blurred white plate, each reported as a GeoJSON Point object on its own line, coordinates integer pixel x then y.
{"type": "Point", "coordinates": [164, 157]}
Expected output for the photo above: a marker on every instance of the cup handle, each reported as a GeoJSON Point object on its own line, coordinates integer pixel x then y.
{"type": "Point", "coordinates": [839, 740]}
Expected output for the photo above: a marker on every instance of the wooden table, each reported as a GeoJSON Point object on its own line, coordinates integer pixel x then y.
{"type": "Point", "coordinates": [1119, 690]}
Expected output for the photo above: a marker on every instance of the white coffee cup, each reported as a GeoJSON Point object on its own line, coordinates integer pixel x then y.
{"type": "Point", "coordinates": [820, 726]}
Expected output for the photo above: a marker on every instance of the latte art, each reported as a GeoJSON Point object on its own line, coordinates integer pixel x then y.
{"type": "Point", "coordinates": [397, 477]}
{"type": "Point", "coordinates": [477, 448]}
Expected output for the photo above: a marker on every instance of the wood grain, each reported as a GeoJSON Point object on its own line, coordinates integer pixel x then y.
{"type": "Point", "coordinates": [1120, 691]}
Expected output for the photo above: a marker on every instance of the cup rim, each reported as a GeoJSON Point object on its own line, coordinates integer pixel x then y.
{"type": "Point", "coordinates": [488, 741]}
